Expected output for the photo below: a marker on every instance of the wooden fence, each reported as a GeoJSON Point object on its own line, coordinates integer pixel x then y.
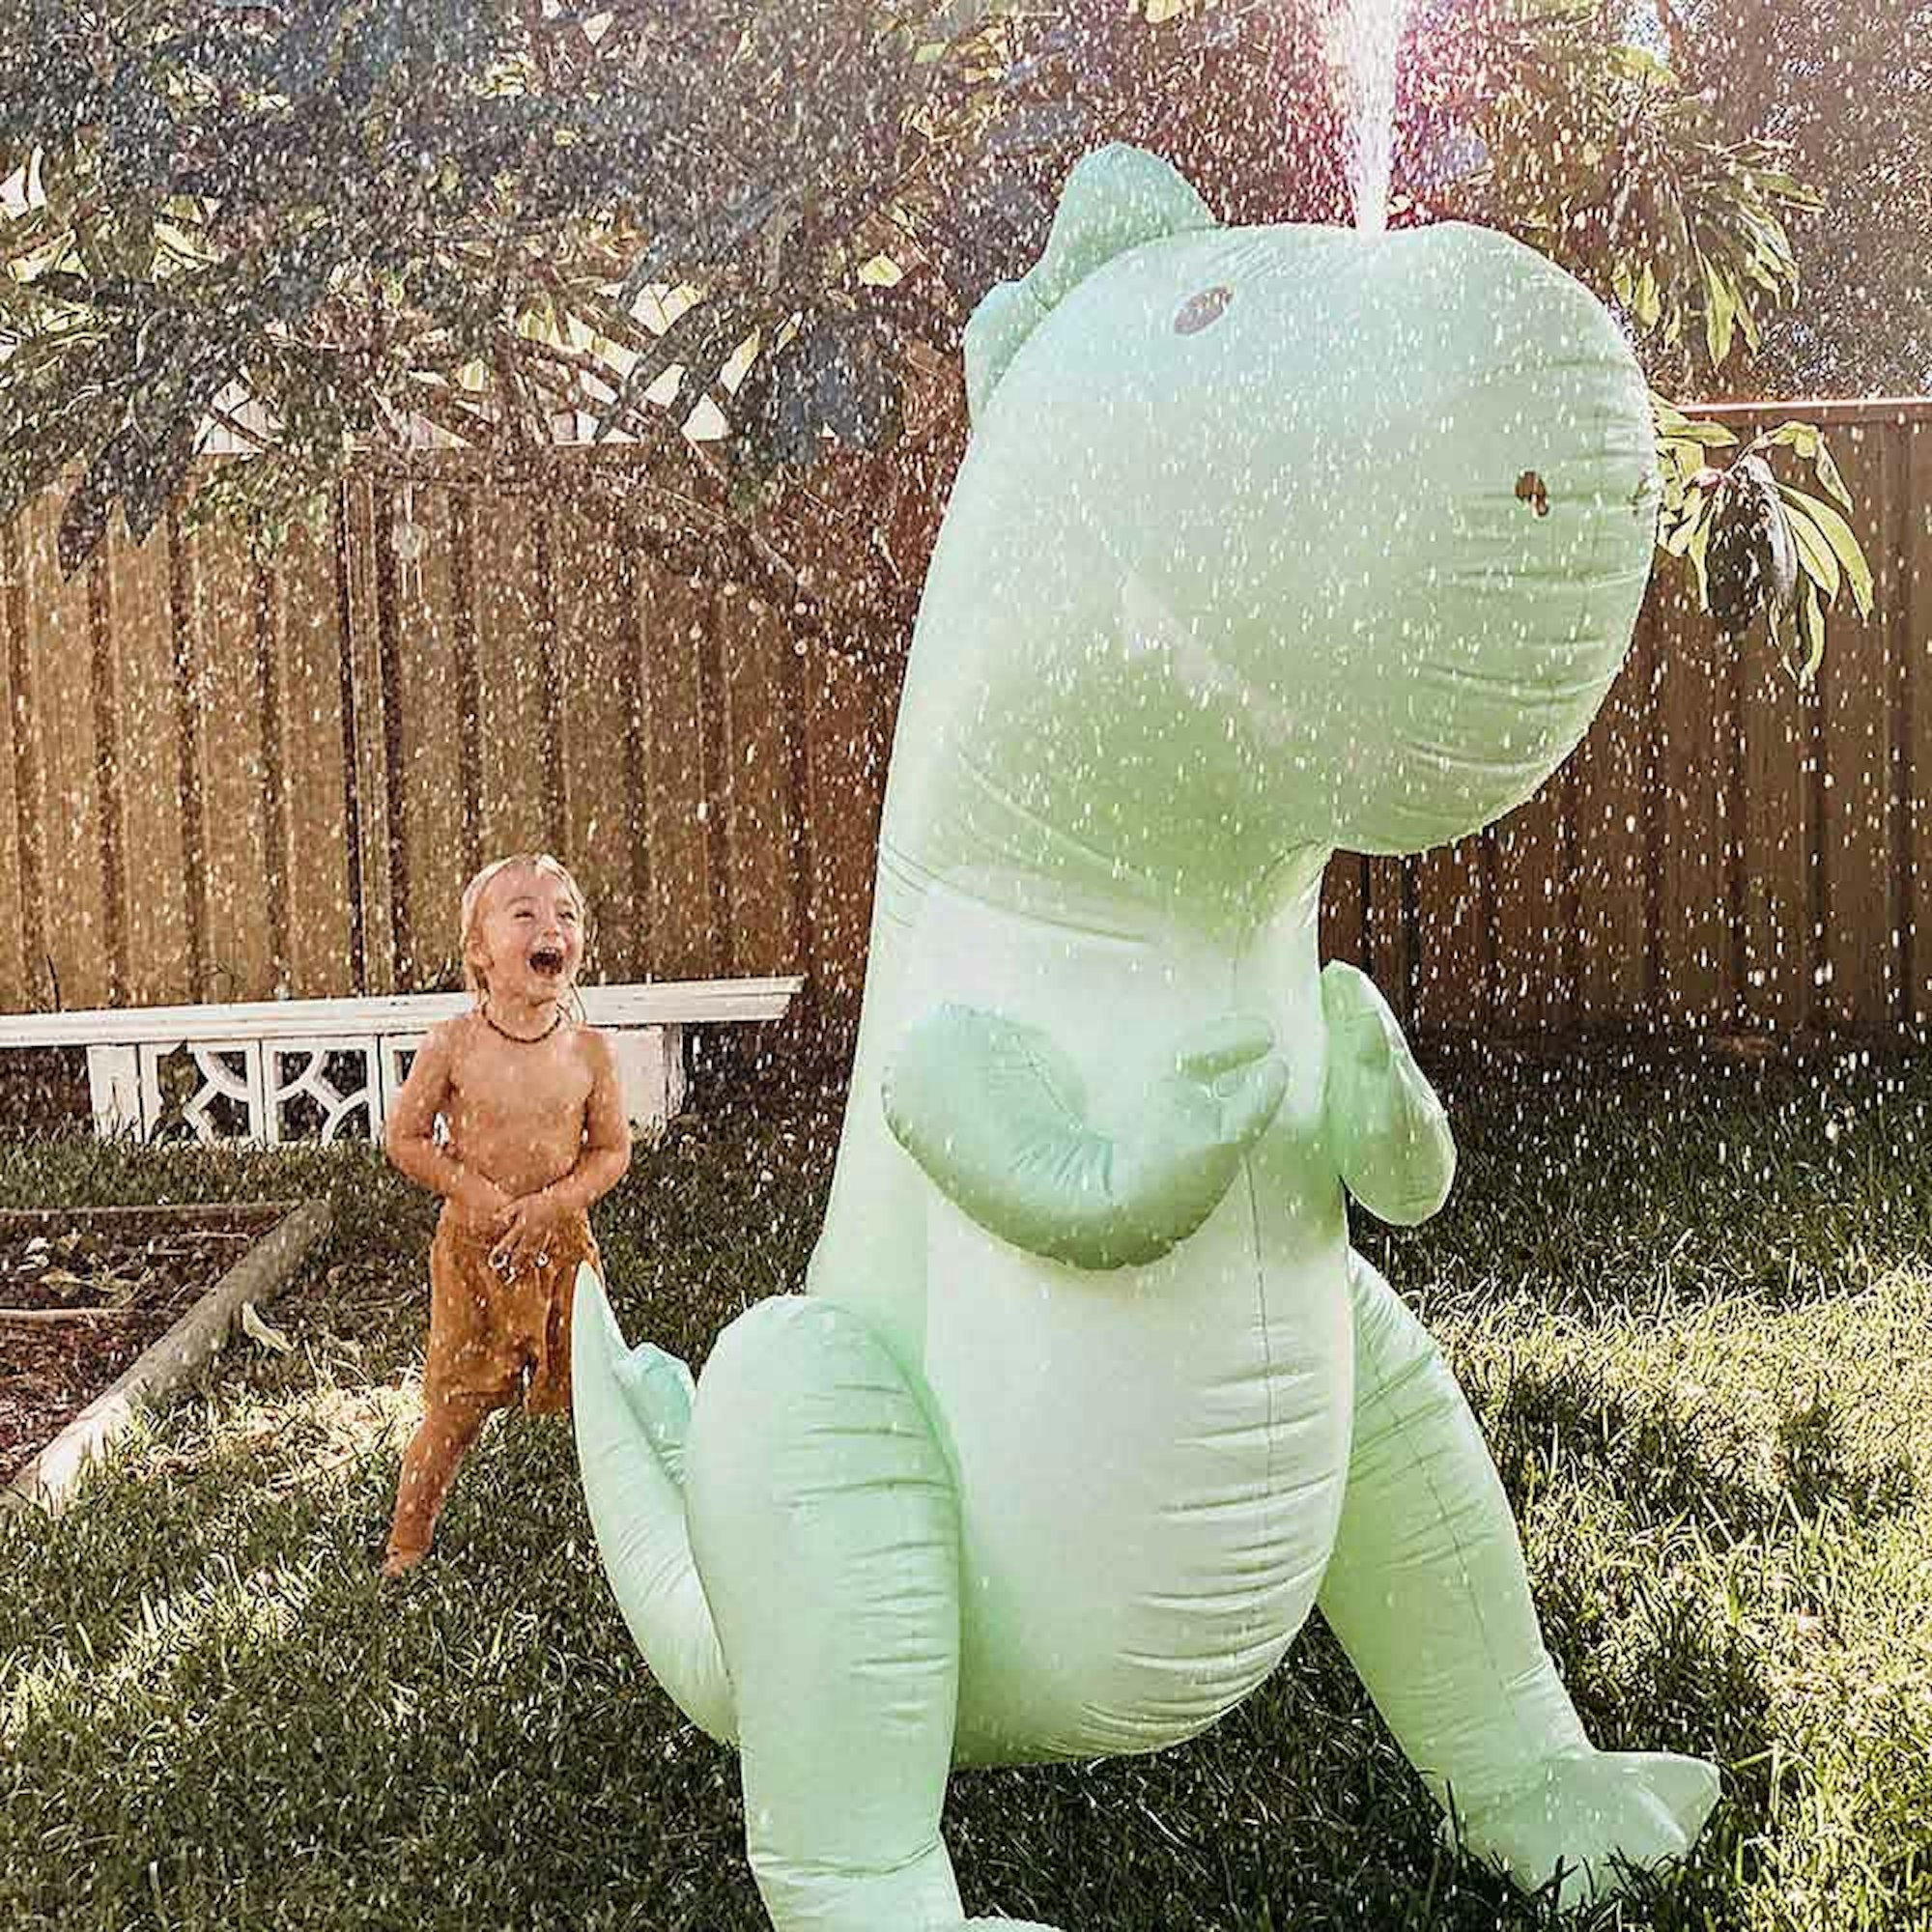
{"type": "Point", "coordinates": [1723, 854]}
{"type": "Point", "coordinates": [225, 781]}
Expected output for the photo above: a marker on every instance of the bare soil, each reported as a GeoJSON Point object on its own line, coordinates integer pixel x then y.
{"type": "Point", "coordinates": [84, 1291]}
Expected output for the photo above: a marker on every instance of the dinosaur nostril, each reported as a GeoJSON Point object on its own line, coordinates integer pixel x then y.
{"type": "Point", "coordinates": [1198, 311]}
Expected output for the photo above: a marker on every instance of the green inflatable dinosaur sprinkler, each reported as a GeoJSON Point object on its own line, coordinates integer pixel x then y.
{"type": "Point", "coordinates": [1268, 541]}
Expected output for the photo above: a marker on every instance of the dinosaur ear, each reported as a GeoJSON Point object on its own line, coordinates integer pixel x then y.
{"type": "Point", "coordinates": [1113, 200]}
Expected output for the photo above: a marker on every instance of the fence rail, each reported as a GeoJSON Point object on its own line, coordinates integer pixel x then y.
{"type": "Point", "coordinates": [229, 780]}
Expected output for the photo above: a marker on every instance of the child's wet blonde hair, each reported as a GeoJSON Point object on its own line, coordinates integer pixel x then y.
{"type": "Point", "coordinates": [474, 973]}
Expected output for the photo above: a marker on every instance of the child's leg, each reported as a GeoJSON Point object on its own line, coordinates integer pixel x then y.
{"type": "Point", "coordinates": [548, 1391]}
{"type": "Point", "coordinates": [450, 1426]}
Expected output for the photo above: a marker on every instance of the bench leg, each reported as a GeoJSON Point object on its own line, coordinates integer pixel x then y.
{"type": "Point", "coordinates": [650, 1071]}
{"type": "Point", "coordinates": [114, 1086]}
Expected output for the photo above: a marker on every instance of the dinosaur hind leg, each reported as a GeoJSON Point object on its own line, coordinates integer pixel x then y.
{"type": "Point", "coordinates": [1427, 1592]}
{"type": "Point", "coordinates": [827, 1530]}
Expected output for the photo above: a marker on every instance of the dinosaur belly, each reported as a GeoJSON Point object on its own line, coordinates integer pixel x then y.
{"type": "Point", "coordinates": [1149, 1460]}
{"type": "Point", "coordinates": [1151, 1464]}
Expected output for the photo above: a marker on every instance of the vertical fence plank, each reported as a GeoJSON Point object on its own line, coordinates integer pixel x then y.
{"type": "Point", "coordinates": [432, 729]}
{"type": "Point", "coordinates": [1915, 663]}
{"type": "Point", "coordinates": [18, 902]}
{"type": "Point", "coordinates": [60, 674]}
{"type": "Point", "coordinates": [715, 816]}
{"type": "Point", "coordinates": [596, 628]}
{"type": "Point", "coordinates": [684, 936]}
{"type": "Point", "coordinates": [1896, 612]}
{"type": "Point", "coordinates": [271, 708]}
{"type": "Point", "coordinates": [360, 677]}
{"type": "Point", "coordinates": [509, 674]}
{"type": "Point", "coordinates": [1778, 843]}
{"type": "Point", "coordinates": [1613, 889]}
{"type": "Point", "coordinates": [1691, 804]}
{"type": "Point", "coordinates": [844, 720]}
{"type": "Point", "coordinates": [233, 758]}
{"type": "Point", "coordinates": [110, 781]}
{"type": "Point", "coordinates": [757, 787]}
{"type": "Point", "coordinates": [183, 631]}
{"type": "Point", "coordinates": [1388, 923]}
{"type": "Point", "coordinates": [634, 672]}
{"type": "Point", "coordinates": [1453, 939]}
{"type": "Point", "coordinates": [141, 624]}
{"type": "Point", "coordinates": [1857, 831]}
{"type": "Point", "coordinates": [835, 710]}
{"type": "Point", "coordinates": [1345, 907]}
{"type": "Point", "coordinates": [316, 864]}
{"type": "Point", "coordinates": [789, 669]}
{"type": "Point", "coordinates": [1530, 992]}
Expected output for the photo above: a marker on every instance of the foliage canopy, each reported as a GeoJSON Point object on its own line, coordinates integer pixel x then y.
{"type": "Point", "coordinates": [348, 229]}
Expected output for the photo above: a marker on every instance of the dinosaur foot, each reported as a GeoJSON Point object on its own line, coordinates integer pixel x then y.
{"type": "Point", "coordinates": [1592, 1814]}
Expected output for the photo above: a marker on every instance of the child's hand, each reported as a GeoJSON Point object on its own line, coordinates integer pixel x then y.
{"type": "Point", "coordinates": [529, 1225]}
{"type": "Point", "coordinates": [481, 1201]}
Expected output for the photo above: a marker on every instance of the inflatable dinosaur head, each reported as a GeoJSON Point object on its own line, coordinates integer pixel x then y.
{"type": "Point", "coordinates": [1285, 537]}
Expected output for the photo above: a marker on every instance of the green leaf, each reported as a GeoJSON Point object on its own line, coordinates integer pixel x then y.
{"type": "Point", "coordinates": [1648, 307]}
{"type": "Point", "coordinates": [1748, 322]}
{"type": "Point", "coordinates": [1669, 417]}
{"type": "Point", "coordinates": [1638, 62]}
{"type": "Point", "coordinates": [1841, 539]}
{"type": "Point", "coordinates": [1826, 473]}
{"type": "Point", "coordinates": [1811, 622]}
{"type": "Point", "coordinates": [1787, 189]}
{"type": "Point", "coordinates": [1678, 543]}
{"type": "Point", "coordinates": [1803, 436]}
{"type": "Point", "coordinates": [1721, 313]}
{"type": "Point", "coordinates": [1815, 555]}
{"type": "Point", "coordinates": [259, 1330]}
{"type": "Point", "coordinates": [1700, 542]}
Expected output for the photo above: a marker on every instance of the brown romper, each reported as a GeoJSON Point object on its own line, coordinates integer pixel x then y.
{"type": "Point", "coordinates": [492, 1337]}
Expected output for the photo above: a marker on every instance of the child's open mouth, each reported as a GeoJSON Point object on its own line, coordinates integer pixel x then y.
{"type": "Point", "coordinates": [546, 959]}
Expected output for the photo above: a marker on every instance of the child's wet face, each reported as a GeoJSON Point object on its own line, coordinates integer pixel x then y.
{"type": "Point", "coordinates": [532, 934]}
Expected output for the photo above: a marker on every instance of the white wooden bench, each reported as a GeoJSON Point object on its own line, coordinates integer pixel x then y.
{"type": "Point", "coordinates": [277, 1070]}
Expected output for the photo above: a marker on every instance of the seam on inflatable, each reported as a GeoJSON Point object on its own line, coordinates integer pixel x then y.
{"type": "Point", "coordinates": [903, 866]}
{"type": "Point", "coordinates": [1500, 1680]}
{"type": "Point", "coordinates": [838, 1868]}
{"type": "Point", "coordinates": [1387, 1392]}
{"type": "Point", "coordinates": [1259, 1273]}
{"type": "Point", "coordinates": [1056, 838]}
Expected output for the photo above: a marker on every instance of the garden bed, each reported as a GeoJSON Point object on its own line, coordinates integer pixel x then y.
{"type": "Point", "coordinates": [87, 1296]}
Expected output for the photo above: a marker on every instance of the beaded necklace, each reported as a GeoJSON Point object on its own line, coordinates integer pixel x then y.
{"type": "Point", "coordinates": [523, 1039]}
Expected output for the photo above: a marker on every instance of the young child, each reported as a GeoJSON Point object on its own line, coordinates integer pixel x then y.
{"type": "Point", "coordinates": [536, 1133]}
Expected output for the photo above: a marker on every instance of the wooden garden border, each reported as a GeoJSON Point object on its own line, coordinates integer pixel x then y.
{"type": "Point", "coordinates": [48, 1480]}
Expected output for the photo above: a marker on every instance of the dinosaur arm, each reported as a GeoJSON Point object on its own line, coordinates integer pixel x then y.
{"type": "Point", "coordinates": [1390, 1132]}
{"type": "Point", "coordinates": [995, 1115]}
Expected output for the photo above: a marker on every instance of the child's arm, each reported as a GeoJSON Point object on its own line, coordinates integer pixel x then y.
{"type": "Point", "coordinates": [599, 1166]}
{"type": "Point", "coordinates": [606, 1137]}
{"type": "Point", "coordinates": [409, 1137]}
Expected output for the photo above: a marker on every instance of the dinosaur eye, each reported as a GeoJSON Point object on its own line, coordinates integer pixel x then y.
{"type": "Point", "coordinates": [1198, 311]}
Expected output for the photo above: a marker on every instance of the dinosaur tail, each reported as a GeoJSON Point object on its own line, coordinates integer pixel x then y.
{"type": "Point", "coordinates": [633, 1411]}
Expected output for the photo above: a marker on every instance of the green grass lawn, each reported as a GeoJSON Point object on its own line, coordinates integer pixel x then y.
{"type": "Point", "coordinates": [1693, 1309]}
